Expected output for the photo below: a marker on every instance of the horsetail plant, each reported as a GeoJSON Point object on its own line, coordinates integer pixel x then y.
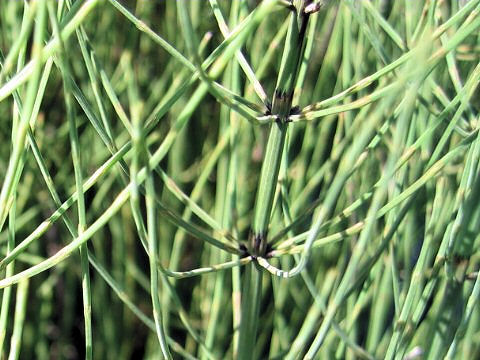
{"type": "Point", "coordinates": [281, 108]}
{"type": "Point", "coordinates": [239, 179]}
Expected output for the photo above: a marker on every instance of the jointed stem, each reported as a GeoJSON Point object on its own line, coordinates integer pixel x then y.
{"type": "Point", "coordinates": [281, 108]}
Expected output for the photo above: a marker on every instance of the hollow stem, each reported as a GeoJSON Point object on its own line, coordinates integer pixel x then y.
{"type": "Point", "coordinates": [281, 108]}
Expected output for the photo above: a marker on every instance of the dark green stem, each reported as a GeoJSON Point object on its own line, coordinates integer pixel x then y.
{"type": "Point", "coordinates": [281, 108]}
{"type": "Point", "coordinates": [258, 242]}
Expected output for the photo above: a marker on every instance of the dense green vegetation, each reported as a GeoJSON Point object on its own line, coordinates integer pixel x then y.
{"type": "Point", "coordinates": [222, 179]}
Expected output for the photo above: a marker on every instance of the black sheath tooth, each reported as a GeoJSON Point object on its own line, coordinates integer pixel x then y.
{"type": "Point", "coordinates": [268, 251]}
{"type": "Point", "coordinates": [268, 106]}
{"type": "Point", "coordinates": [295, 110]}
{"type": "Point", "coordinates": [258, 241]}
{"type": "Point", "coordinates": [278, 94]}
{"type": "Point", "coordinates": [257, 246]}
{"type": "Point", "coordinates": [243, 250]}
{"type": "Point", "coordinates": [289, 96]}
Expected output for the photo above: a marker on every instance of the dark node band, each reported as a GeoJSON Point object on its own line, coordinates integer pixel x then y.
{"type": "Point", "coordinates": [257, 244]}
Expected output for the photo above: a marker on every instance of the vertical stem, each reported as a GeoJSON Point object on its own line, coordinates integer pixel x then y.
{"type": "Point", "coordinates": [19, 320]}
{"type": "Point", "coordinates": [10, 181]}
{"type": "Point", "coordinates": [281, 108]}
{"type": "Point", "coordinates": [226, 185]}
{"type": "Point", "coordinates": [153, 260]}
{"type": "Point", "coordinates": [77, 165]}
{"type": "Point", "coordinates": [9, 272]}
{"type": "Point", "coordinates": [6, 295]}
{"type": "Point", "coordinates": [250, 310]}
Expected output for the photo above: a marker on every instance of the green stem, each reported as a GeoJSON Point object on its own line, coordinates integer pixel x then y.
{"type": "Point", "coordinates": [77, 164]}
{"type": "Point", "coordinates": [281, 108]}
{"type": "Point", "coordinates": [250, 310]}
